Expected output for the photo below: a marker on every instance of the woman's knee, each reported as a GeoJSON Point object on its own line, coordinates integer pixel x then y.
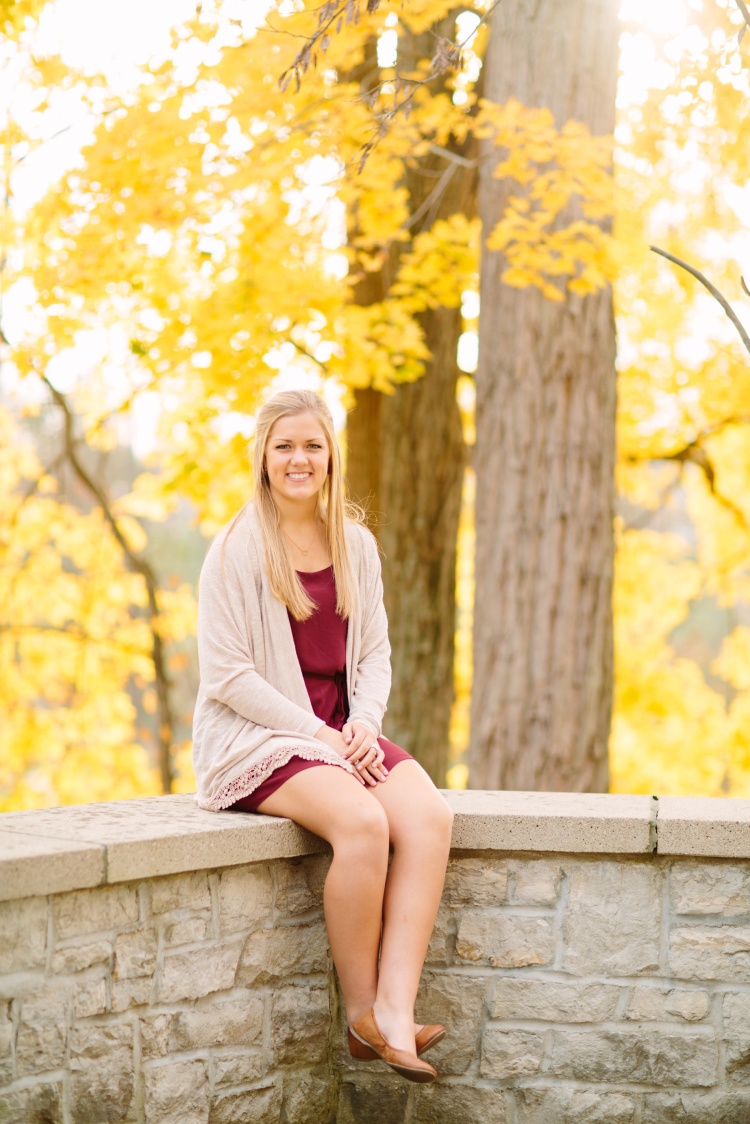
{"type": "Point", "coordinates": [430, 819]}
{"type": "Point", "coordinates": [362, 827]}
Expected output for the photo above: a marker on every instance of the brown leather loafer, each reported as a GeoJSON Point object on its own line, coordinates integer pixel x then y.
{"type": "Point", "coordinates": [427, 1037]}
{"type": "Point", "coordinates": [367, 1032]}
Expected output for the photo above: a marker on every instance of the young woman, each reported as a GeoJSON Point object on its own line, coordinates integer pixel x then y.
{"type": "Point", "coordinates": [295, 675]}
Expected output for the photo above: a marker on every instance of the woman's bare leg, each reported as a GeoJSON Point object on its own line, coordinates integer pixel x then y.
{"type": "Point", "coordinates": [334, 805]}
{"type": "Point", "coordinates": [420, 823]}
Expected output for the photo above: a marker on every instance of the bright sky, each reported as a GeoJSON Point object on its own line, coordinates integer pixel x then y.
{"type": "Point", "coordinates": [117, 38]}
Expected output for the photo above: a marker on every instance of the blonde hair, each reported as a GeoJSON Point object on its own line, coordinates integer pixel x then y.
{"type": "Point", "coordinates": [333, 508]}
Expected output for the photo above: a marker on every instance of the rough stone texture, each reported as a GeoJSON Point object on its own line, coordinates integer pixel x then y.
{"type": "Point", "coordinates": [576, 989]}
{"type": "Point", "coordinates": [710, 952]}
{"type": "Point", "coordinates": [36, 1104]}
{"type": "Point", "coordinates": [459, 1104]}
{"type": "Point", "coordinates": [252, 1106]}
{"type": "Point", "coordinates": [505, 940]}
{"type": "Point", "coordinates": [23, 934]}
{"type": "Point", "coordinates": [635, 1054]}
{"type": "Point", "coordinates": [93, 911]}
{"type": "Point", "coordinates": [32, 865]}
{"type": "Point", "coordinates": [271, 954]}
{"type": "Point", "coordinates": [510, 1053]}
{"type": "Point", "coordinates": [101, 1064]}
{"type": "Point", "coordinates": [177, 1093]}
{"type": "Point", "coordinates": [704, 825]}
{"type": "Point", "coordinates": [613, 920]}
{"type": "Point", "coordinates": [300, 1024]}
{"type": "Point", "coordinates": [574, 1106]}
{"type": "Point", "coordinates": [553, 1002]}
{"type": "Point", "coordinates": [694, 1108]}
{"type": "Point", "coordinates": [656, 1003]}
{"type": "Point", "coordinates": [190, 975]}
{"type": "Point", "coordinates": [458, 1002]}
{"type": "Point", "coordinates": [698, 888]}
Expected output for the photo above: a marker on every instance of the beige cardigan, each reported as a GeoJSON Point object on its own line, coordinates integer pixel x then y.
{"type": "Point", "coordinates": [253, 712]}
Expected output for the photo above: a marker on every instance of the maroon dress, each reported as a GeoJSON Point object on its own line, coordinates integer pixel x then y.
{"type": "Point", "coordinates": [320, 642]}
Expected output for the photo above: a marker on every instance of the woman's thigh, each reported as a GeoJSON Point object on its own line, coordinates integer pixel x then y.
{"type": "Point", "coordinates": [411, 802]}
{"type": "Point", "coordinates": [328, 801]}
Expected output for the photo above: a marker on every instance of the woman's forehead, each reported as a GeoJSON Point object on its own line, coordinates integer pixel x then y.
{"type": "Point", "coordinates": [304, 427]}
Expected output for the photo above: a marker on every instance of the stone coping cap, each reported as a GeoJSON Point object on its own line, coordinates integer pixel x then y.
{"type": "Point", "coordinates": [77, 847]}
{"type": "Point", "coordinates": [704, 825]}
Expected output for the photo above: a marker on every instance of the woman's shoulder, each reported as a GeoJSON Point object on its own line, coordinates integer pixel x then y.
{"type": "Point", "coordinates": [235, 541]}
{"type": "Point", "coordinates": [361, 539]}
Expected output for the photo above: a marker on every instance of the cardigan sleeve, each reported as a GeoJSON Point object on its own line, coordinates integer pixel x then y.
{"type": "Point", "coordinates": [227, 671]}
{"type": "Point", "coordinates": [373, 680]}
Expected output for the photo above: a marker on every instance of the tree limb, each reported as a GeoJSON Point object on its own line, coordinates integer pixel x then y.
{"type": "Point", "coordinates": [162, 683]}
{"type": "Point", "coordinates": [712, 290]}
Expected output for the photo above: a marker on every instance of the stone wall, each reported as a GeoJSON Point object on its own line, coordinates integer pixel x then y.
{"type": "Point", "coordinates": [591, 960]}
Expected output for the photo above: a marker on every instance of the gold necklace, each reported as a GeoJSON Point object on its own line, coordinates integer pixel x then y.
{"type": "Point", "coordinates": [301, 549]}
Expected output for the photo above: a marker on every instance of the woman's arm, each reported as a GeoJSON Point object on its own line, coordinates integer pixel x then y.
{"type": "Point", "coordinates": [227, 670]}
{"type": "Point", "coordinates": [373, 674]}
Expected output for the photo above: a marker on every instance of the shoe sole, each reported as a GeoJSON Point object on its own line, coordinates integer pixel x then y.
{"type": "Point", "coordinates": [419, 1075]}
{"type": "Point", "coordinates": [372, 1055]}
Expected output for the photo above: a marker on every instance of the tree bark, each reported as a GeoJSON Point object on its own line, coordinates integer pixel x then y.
{"type": "Point", "coordinates": [542, 689]}
{"type": "Point", "coordinates": [413, 472]}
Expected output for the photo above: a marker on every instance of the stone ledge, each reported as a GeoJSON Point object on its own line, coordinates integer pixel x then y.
{"type": "Point", "coordinates": [704, 825]}
{"type": "Point", "coordinates": [70, 848]}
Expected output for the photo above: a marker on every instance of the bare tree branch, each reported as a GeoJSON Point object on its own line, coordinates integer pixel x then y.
{"type": "Point", "coordinates": [712, 290]}
{"type": "Point", "coordinates": [158, 656]}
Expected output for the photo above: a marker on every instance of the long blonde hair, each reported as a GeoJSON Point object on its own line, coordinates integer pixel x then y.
{"type": "Point", "coordinates": [333, 508]}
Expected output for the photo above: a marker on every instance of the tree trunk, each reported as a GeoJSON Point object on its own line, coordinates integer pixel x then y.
{"type": "Point", "coordinates": [542, 689]}
{"type": "Point", "coordinates": [415, 484]}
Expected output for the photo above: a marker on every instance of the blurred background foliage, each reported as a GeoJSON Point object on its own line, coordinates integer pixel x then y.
{"type": "Point", "coordinates": [177, 243]}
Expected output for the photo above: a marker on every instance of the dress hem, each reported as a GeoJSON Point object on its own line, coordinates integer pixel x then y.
{"type": "Point", "coordinates": [246, 783]}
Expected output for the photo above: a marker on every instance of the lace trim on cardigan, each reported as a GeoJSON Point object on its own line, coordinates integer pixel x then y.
{"type": "Point", "coordinates": [247, 782]}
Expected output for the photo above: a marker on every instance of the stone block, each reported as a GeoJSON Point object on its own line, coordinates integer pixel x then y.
{"type": "Point", "coordinates": [79, 957]}
{"type": "Point", "coordinates": [299, 884]}
{"type": "Point", "coordinates": [155, 1033]}
{"type": "Point", "coordinates": [442, 938]}
{"type": "Point", "coordinates": [94, 911]}
{"type": "Point", "coordinates": [737, 1060]}
{"type": "Point", "coordinates": [90, 998]}
{"type": "Point", "coordinates": [573, 1106]}
{"type": "Point", "coordinates": [245, 898]}
{"type": "Point", "coordinates": [289, 950]}
{"type": "Point", "coordinates": [507, 1054]}
{"type": "Point", "coordinates": [635, 1055]}
{"type": "Point", "coordinates": [199, 972]}
{"type": "Point", "coordinates": [308, 1099]}
{"type": "Point", "coordinates": [476, 882]}
{"type": "Point", "coordinates": [23, 935]}
{"type": "Point", "coordinates": [237, 1068]}
{"type": "Point", "coordinates": [300, 1024]}
{"type": "Point", "coordinates": [553, 821]}
{"type": "Point", "coordinates": [190, 930]}
{"type": "Point", "coordinates": [505, 940]}
{"type": "Point", "coordinates": [6, 1040]}
{"type": "Point", "coordinates": [710, 952]}
{"type": "Point", "coordinates": [251, 1106]}
{"type": "Point", "coordinates": [704, 825]}
{"type": "Point", "coordinates": [36, 1104]}
{"type": "Point", "coordinates": [696, 1108]}
{"type": "Point", "coordinates": [457, 1001]}
{"type": "Point", "coordinates": [459, 1104]}
{"type": "Point", "coordinates": [35, 865]}
{"type": "Point", "coordinates": [176, 1093]}
{"type": "Point", "coordinates": [181, 891]}
{"type": "Point", "coordinates": [43, 1031]}
{"type": "Point", "coordinates": [102, 1076]}
{"type": "Point", "coordinates": [613, 919]}
{"type": "Point", "coordinates": [659, 1003]}
{"type": "Point", "coordinates": [237, 1020]}
{"type": "Point", "coordinates": [135, 954]}
{"type": "Point", "coordinates": [536, 881]}
{"type": "Point", "coordinates": [131, 993]}
{"type": "Point", "coordinates": [553, 1002]}
{"type": "Point", "coordinates": [383, 1100]}
{"type": "Point", "coordinates": [736, 1013]}
{"type": "Point", "coordinates": [710, 888]}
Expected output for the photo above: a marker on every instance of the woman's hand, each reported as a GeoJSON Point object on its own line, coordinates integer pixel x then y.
{"type": "Point", "coordinates": [363, 751]}
{"type": "Point", "coordinates": [357, 743]}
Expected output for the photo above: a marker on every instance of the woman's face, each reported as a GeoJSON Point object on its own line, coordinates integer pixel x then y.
{"type": "Point", "coordinates": [297, 457]}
